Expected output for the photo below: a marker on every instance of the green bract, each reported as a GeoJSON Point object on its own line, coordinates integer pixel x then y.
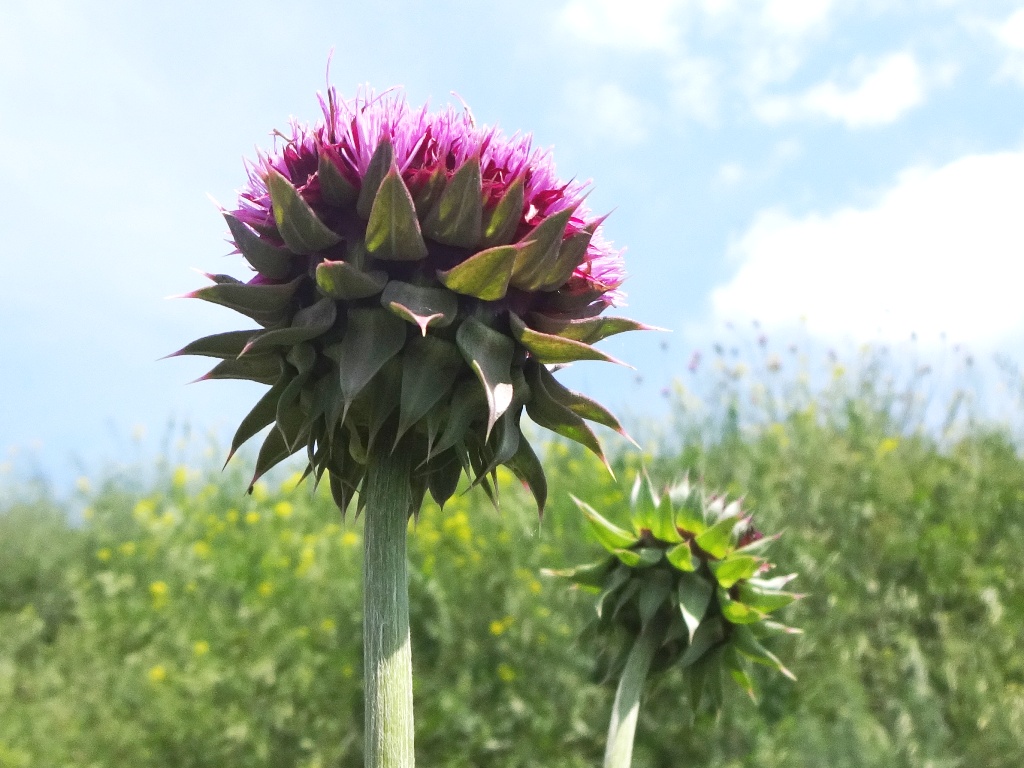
{"type": "Point", "coordinates": [689, 570]}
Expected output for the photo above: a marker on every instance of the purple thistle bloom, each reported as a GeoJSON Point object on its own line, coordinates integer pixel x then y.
{"type": "Point", "coordinates": [416, 276]}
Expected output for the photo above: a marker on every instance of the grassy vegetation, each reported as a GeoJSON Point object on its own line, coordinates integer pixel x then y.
{"type": "Point", "coordinates": [188, 625]}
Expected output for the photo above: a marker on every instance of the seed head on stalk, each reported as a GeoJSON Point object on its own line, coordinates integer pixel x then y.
{"type": "Point", "coordinates": [416, 277]}
{"type": "Point", "coordinates": [687, 585]}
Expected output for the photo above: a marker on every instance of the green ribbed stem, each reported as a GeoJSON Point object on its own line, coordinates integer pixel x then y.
{"type": "Point", "coordinates": [619, 749]}
{"type": "Point", "coordinates": [387, 651]}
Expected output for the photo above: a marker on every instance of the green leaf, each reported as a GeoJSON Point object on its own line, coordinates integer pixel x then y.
{"type": "Point", "coordinates": [489, 354]}
{"type": "Point", "coordinates": [263, 303]}
{"type": "Point", "coordinates": [269, 260]}
{"type": "Point", "coordinates": [373, 337]}
{"type": "Point", "coordinates": [550, 414]}
{"type": "Point", "coordinates": [263, 369]}
{"type": "Point", "coordinates": [554, 349]}
{"type": "Point", "coordinates": [345, 281]}
{"type": "Point", "coordinates": [334, 187]}
{"type": "Point", "coordinates": [639, 558]}
{"type": "Point", "coordinates": [579, 404]}
{"type": "Point", "coordinates": [393, 231]}
{"type": "Point", "coordinates": [260, 416]}
{"type": "Point", "coordinates": [747, 644]}
{"type": "Point", "coordinates": [467, 405]}
{"type": "Point", "coordinates": [762, 600]}
{"type": "Point", "coordinates": [291, 419]}
{"type": "Point", "coordinates": [717, 540]}
{"type": "Point", "coordinates": [589, 330]}
{"type": "Point", "coordinates": [570, 255]}
{"type": "Point", "coordinates": [615, 581]}
{"type": "Point", "coordinates": [501, 223]}
{"type": "Point", "coordinates": [420, 305]}
{"type": "Point", "coordinates": [308, 323]}
{"type": "Point", "coordinates": [297, 223]}
{"type": "Point", "coordinates": [427, 195]}
{"type": "Point", "coordinates": [663, 521]}
{"type": "Point", "coordinates": [272, 452]}
{"type": "Point", "coordinates": [380, 163]}
{"type": "Point", "coordinates": [610, 536]}
{"type": "Point", "coordinates": [536, 261]}
{"type": "Point", "coordinates": [443, 475]}
{"type": "Point", "coordinates": [681, 557]}
{"type": "Point", "coordinates": [653, 593]}
{"type": "Point", "coordinates": [709, 634]}
{"type": "Point", "coordinates": [429, 368]}
{"type": "Point", "coordinates": [455, 219]}
{"type": "Point", "coordinates": [591, 575]}
{"type": "Point", "coordinates": [758, 545]}
{"type": "Point", "coordinates": [484, 275]}
{"type": "Point", "coordinates": [736, 612]}
{"type": "Point", "coordinates": [734, 665]}
{"type": "Point", "coordinates": [225, 346]}
{"type": "Point", "coordinates": [733, 569]}
{"type": "Point", "coordinates": [527, 467]}
{"type": "Point", "coordinates": [694, 598]}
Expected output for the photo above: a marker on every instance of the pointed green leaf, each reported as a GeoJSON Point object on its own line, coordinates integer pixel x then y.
{"type": "Point", "coordinates": [455, 219]}
{"type": "Point", "coordinates": [308, 323]}
{"type": "Point", "coordinates": [292, 422]}
{"type": "Point", "coordinates": [709, 634]}
{"type": "Point", "coordinates": [694, 598]}
{"type": "Point", "coordinates": [466, 406]}
{"type": "Point", "coordinates": [501, 223]}
{"type": "Point", "coordinates": [663, 521]}
{"type": "Point", "coordinates": [428, 194]}
{"type": "Point", "coordinates": [548, 413]}
{"type": "Point", "coordinates": [272, 452]}
{"type": "Point", "coordinates": [615, 581]}
{"type": "Point", "coordinates": [484, 275]}
{"type": "Point", "coordinates": [393, 231]}
{"type": "Point", "coordinates": [776, 583]}
{"type": "Point", "coordinates": [654, 592]}
{"type": "Point", "coordinates": [429, 368]}
{"type": "Point", "coordinates": [527, 467]}
{"type": "Point", "coordinates": [589, 330]}
{"type": "Point", "coordinates": [554, 349]}
{"type": "Point", "coordinates": [373, 337]}
{"type": "Point", "coordinates": [443, 475]}
{"type": "Point", "coordinates": [297, 223]}
{"type": "Point", "coordinates": [535, 262]}
{"type": "Point", "coordinates": [681, 557]}
{"type": "Point", "coordinates": [717, 540]}
{"type": "Point", "coordinates": [345, 281]}
{"type": "Point", "coordinates": [747, 644]}
{"type": "Point", "coordinates": [736, 612]}
{"type": "Point", "coordinates": [263, 369]}
{"type": "Point", "coordinates": [610, 536]}
{"type": "Point", "coordinates": [383, 393]}
{"type": "Point", "coordinates": [221, 345]}
{"type": "Point", "coordinates": [380, 163]}
{"type": "Point", "coordinates": [424, 307]}
{"type": "Point", "coordinates": [733, 569]}
{"type": "Point", "coordinates": [570, 255]}
{"type": "Point", "coordinates": [259, 417]}
{"type": "Point", "coordinates": [591, 575]}
{"type": "Point", "coordinates": [644, 557]}
{"type": "Point", "coordinates": [489, 354]}
{"type": "Point", "coordinates": [762, 600]}
{"type": "Point", "coordinates": [269, 260]}
{"type": "Point", "coordinates": [732, 662]}
{"type": "Point", "coordinates": [758, 545]}
{"type": "Point", "coordinates": [336, 190]}
{"type": "Point", "coordinates": [260, 302]}
{"type": "Point", "coordinates": [579, 404]}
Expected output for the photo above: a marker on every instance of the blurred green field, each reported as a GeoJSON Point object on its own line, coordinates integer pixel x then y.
{"type": "Point", "coordinates": [186, 624]}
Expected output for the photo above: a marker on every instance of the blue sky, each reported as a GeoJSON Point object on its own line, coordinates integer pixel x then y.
{"type": "Point", "coordinates": [854, 170]}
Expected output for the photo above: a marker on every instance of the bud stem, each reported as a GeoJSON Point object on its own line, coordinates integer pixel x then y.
{"type": "Point", "coordinates": [626, 709]}
{"type": "Point", "coordinates": [387, 650]}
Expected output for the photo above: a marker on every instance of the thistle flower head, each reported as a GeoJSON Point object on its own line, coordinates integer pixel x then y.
{"type": "Point", "coordinates": [691, 567]}
{"type": "Point", "coordinates": [416, 276]}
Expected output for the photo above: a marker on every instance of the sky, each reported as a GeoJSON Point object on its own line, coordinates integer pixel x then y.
{"type": "Point", "coordinates": [852, 171]}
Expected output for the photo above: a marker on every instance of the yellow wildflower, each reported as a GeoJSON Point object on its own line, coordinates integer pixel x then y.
{"type": "Point", "coordinates": [506, 673]}
{"type": "Point", "coordinates": [231, 516]}
{"type": "Point", "coordinates": [327, 625]}
{"type": "Point", "coordinates": [103, 554]}
{"type": "Point", "coordinates": [283, 509]}
{"type": "Point", "coordinates": [128, 548]}
{"type": "Point", "coordinates": [202, 549]}
{"type": "Point", "coordinates": [157, 673]}
{"type": "Point", "coordinates": [201, 648]}
{"type": "Point", "coordinates": [350, 538]}
{"type": "Point", "coordinates": [266, 589]}
{"type": "Point", "coordinates": [180, 477]}
{"type": "Point", "coordinates": [500, 626]}
{"type": "Point", "coordinates": [252, 517]}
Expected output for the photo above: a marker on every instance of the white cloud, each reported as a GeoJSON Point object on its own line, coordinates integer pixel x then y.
{"type": "Point", "coordinates": [1011, 34]}
{"type": "Point", "coordinates": [795, 17]}
{"type": "Point", "coordinates": [633, 25]}
{"type": "Point", "coordinates": [941, 251]}
{"type": "Point", "coordinates": [887, 89]}
{"type": "Point", "coordinates": [693, 91]}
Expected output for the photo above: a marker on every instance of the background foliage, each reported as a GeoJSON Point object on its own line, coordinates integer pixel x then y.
{"type": "Point", "coordinates": [186, 624]}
